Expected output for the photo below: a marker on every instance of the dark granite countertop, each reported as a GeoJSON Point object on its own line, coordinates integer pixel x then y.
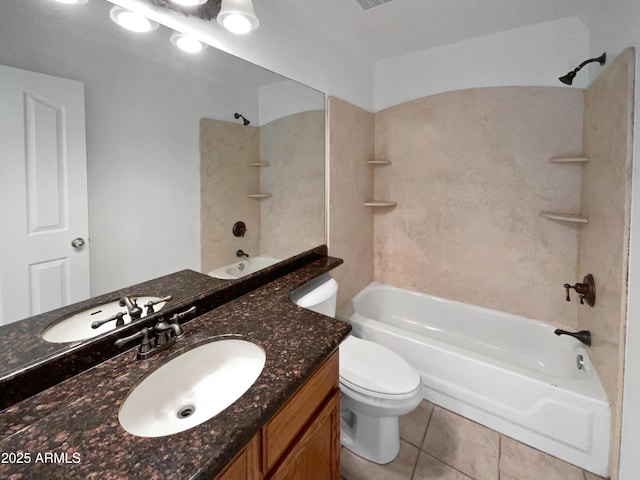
{"type": "Point", "coordinates": [80, 416]}
{"type": "Point", "coordinates": [21, 342]}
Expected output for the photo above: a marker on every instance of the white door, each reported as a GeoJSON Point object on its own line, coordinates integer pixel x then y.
{"type": "Point", "coordinates": [43, 194]}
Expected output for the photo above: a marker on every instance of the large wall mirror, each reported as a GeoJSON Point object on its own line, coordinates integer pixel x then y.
{"type": "Point", "coordinates": [168, 167]}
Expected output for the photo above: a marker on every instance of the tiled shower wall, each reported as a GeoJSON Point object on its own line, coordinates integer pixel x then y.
{"type": "Point", "coordinates": [350, 231]}
{"type": "Point", "coordinates": [603, 246]}
{"type": "Point", "coordinates": [226, 149]}
{"type": "Point", "coordinates": [470, 172]}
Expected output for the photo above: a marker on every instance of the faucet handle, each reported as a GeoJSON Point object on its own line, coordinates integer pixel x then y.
{"type": "Point", "coordinates": [118, 317]}
{"type": "Point", "coordinates": [586, 290]}
{"type": "Point", "coordinates": [151, 303]}
{"type": "Point", "coordinates": [179, 316]}
{"type": "Point", "coordinates": [145, 345]}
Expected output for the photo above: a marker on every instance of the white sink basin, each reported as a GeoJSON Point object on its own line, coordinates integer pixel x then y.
{"type": "Point", "coordinates": [244, 267]}
{"type": "Point", "coordinates": [78, 326]}
{"type": "Point", "coordinates": [192, 388]}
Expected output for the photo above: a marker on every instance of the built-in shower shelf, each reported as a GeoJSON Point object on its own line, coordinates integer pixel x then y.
{"type": "Point", "coordinates": [565, 217]}
{"type": "Point", "coordinates": [379, 162]}
{"type": "Point", "coordinates": [380, 203]}
{"type": "Point", "coordinates": [569, 160]}
{"type": "Point", "coordinates": [259, 164]}
{"type": "Point", "coordinates": [259, 195]}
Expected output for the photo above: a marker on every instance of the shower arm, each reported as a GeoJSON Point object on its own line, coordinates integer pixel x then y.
{"type": "Point", "coordinates": [601, 59]}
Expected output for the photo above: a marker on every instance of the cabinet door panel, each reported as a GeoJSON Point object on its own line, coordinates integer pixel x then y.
{"type": "Point", "coordinates": [316, 454]}
{"type": "Point", "coordinates": [246, 465]}
{"type": "Point", "coordinates": [283, 428]}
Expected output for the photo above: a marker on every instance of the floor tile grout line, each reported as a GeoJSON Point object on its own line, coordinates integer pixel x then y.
{"type": "Point", "coordinates": [424, 435]}
{"type": "Point", "coordinates": [426, 430]}
{"type": "Point", "coordinates": [450, 466]}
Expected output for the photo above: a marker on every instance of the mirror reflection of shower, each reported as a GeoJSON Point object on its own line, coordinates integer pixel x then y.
{"type": "Point", "coordinates": [244, 120]}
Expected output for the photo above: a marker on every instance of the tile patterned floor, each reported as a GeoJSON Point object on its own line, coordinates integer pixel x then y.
{"type": "Point", "coordinates": [436, 444]}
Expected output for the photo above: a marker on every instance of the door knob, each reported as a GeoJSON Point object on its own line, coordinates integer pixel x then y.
{"type": "Point", "coordinates": [77, 242]}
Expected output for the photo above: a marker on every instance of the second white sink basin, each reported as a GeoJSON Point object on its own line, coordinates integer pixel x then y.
{"type": "Point", "coordinates": [192, 388]}
{"type": "Point", "coordinates": [243, 268]}
{"type": "Point", "coordinates": [78, 326]}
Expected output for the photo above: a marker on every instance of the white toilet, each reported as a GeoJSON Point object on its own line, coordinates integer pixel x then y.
{"type": "Point", "coordinates": [376, 384]}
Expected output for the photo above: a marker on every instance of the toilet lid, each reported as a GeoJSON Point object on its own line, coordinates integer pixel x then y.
{"type": "Point", "coordinates": [372, 367]}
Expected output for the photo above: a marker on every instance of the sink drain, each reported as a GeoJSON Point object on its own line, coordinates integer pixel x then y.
{"type": "Point", "coordinates": [186, 411]}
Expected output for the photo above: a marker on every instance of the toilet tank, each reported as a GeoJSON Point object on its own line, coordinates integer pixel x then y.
{"type": "Point", "coordinates": [319, 295]}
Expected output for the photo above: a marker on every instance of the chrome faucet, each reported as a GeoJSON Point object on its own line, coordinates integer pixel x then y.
{"type": "Point", "coordinates": [131, 303]}
{"type": "Point", "coordinates": [241, 254]}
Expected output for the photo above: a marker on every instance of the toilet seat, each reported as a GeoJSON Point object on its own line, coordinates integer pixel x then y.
{"type": "Point", "coordinates": [374, 370]}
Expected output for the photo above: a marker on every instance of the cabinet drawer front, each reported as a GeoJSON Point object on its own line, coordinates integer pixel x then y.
{"type": "Point", "coordinates": [282, 429]}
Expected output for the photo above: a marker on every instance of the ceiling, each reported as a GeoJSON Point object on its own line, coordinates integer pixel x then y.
{"type": "Point", "coordinates": [400, 27]}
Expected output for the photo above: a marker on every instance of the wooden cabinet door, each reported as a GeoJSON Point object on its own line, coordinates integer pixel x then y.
{"type": "Point", "coordinates": [246, 465]}
{"type": "Point", "coordinates": [285, 427]}
{"type": "Point", "coordinates": [316, 453]}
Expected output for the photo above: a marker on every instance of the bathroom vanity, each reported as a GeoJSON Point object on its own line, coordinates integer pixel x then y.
{"type": "Point", "coordinates": [303, 437]}
{"type": "Point", "coordinates": [286, 424]}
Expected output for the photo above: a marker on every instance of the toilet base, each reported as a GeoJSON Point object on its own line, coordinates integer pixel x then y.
{"type": "Point", "coordinates": [376, 439]}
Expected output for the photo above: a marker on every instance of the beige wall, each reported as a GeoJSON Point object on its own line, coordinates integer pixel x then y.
{"type": "Point", "coordinates": [226, 149]}
{"type": "Point", "coordinates": [292, 219]}
{"type": "Point", "coordinates": [470, 172]}
{"type": "Point", "coordinates": [606, 189]}
{"type": "Point", "coordinates": [351, 131]}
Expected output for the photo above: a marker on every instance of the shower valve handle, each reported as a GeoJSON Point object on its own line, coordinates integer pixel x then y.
{"type": "Point", "coordinates": [586, 290]}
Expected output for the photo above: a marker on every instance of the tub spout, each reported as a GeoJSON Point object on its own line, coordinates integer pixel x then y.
{"type": "Point", "coordinates": [583, 335]}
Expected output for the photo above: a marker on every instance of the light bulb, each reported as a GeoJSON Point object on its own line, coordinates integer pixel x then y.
{"type": "Point", "coordinates": [186, 43]}
{"type": "Point", "coordinates": [237, 23]}
{"type": "Point", "coordinates": [189, 3]}
{"type": "Point", "coordinates": [238, 16]}
{"type": "Point", "coordinates": [131, 20]}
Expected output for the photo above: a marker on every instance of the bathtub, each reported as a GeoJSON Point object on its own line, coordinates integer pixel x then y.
{"type": "Point", "coordinates": [507, 372]}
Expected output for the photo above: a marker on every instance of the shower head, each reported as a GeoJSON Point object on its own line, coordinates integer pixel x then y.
{"type": "Point", "coordinates": [244, 120]}
{"type": "Point", "coordinates": [568, 78]}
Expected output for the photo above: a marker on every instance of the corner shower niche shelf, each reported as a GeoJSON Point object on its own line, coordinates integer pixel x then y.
{"type": "Point", "coordinates": [565, 217]}
{"type": "Point", "coordinates": [379, 203]}
{"type": "Point", "coordinates": [576, 160]}
{"type": "Point", "coordinates": [259, 164]}
{"type": "Point", "coordinates": [259, 196]}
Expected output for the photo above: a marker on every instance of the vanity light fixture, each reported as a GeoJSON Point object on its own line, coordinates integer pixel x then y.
{"type": "Point", "coordinates": [189, 3]}
{"type": "Point", "coordinates": [131, 20]}
{"type": "Point", "coordinates": [72, 2]}
{"type": "Point", "coordinates": [238, 16]}
{"type": "Point", "coordinates": [186, 43]}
